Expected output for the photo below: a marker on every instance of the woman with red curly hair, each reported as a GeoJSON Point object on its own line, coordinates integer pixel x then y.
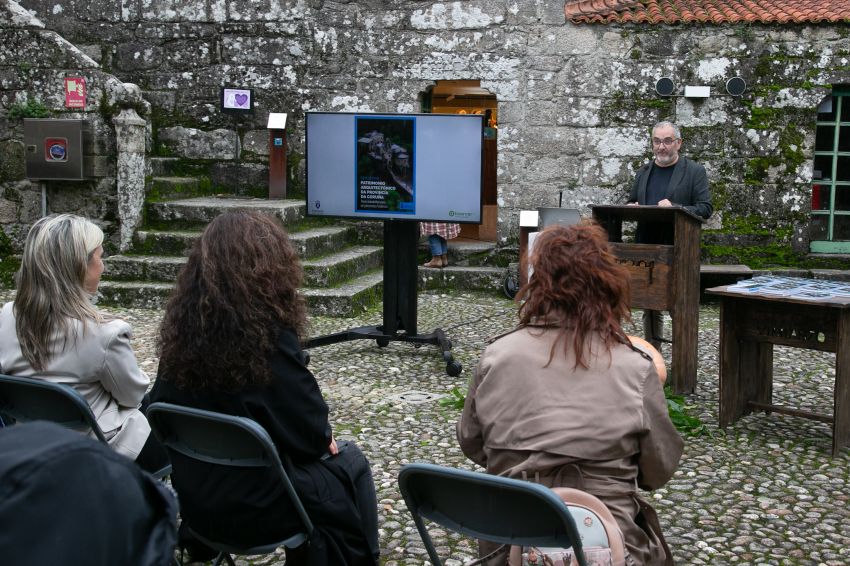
{"type": "Point", "coordinates": [566, 400]}
{"type": "Point", "coordinates": [229, 342]}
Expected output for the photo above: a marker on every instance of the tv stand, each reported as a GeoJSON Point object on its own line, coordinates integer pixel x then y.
{"type": "Point", "coordinates": [401, 274]}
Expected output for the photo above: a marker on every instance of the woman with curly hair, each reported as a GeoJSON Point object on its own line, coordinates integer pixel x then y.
{"type": "Point", "coordinates": [229, 343]}
{"type": "Point", "coordinates": [566, 400]}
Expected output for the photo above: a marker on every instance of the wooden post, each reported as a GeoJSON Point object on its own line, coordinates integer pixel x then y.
{"type": "Point", "coordinates": [277, 156]}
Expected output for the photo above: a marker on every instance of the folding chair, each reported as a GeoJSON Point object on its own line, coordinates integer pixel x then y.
{"type": "Point", "coordinates": [493, 508]}
{"type": "Point", "coordinates": [225, 440]}
{"type": "Point", "coordinates": [28, 399]}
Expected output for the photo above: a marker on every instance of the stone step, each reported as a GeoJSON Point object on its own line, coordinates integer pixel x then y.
{"type": "Point", "coordinates": [201, 210]}
{"type": "Point", "coordinates": [337, 267]}
{"type": "Point", "coordinates": [467, 252]}
{"type": "Point", "coordinates": [164, 242]}
{"type": "Point", "coordinates": [143, 267]}
{"type": "Point", "coordinates": [348, 299]}
{"type": "Point", "coordinates": [163, 166]}
{"type": "Point", "coordinates": [310, 242]}
{"type": "Point", "coordinates": [459, 277]}
{"type": "Point", "coordinates": [173, 187]}
{"type": "Point", "coordinates": [134, 294]}
{"type": "Point", "coordinates": [317, 241]}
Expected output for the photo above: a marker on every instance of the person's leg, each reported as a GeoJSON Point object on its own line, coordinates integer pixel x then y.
{"type": "Point", "coordinates": [436, 251]}
{"type": "Point", "coordinates": [153, 456]}
{"type": "Point", "coordinates": [356, 467]}
{"type": "Point", "coordinates": [653, 327]}
{"type": "Point", "coordinates": [444, 251]}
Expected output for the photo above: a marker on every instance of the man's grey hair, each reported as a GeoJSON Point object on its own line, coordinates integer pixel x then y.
{"type": "Point", "coordinates": [666, 123]}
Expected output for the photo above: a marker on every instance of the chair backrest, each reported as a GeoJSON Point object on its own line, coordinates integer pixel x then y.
{"type": "Point", "coordinates": [492, 508]}
{"type": "Point", "coordinates": [223, 440]}
{"type": "Point", "coordinates": [31, 399]}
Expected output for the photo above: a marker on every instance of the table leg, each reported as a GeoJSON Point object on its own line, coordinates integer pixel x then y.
{"type": "Point", "coordinates": [756, 378]}
{"type": "Point", "coordinates": [731, 400]}
{"type": "Point", "coordinates": [841, 407]}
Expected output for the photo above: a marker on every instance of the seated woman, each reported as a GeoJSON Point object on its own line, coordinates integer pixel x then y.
{"type": "Point", "coordinates": [566, 400]}
{"type": "Point", "coordinates": [52, 331]}
{"type": "Point", "coordinates": [229, 343]}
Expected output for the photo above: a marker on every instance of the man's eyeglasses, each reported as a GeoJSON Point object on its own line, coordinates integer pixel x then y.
{"type": "Point", "coordinates": [665, 141]}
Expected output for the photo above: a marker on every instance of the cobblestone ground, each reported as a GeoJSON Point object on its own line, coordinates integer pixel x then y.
{"type": "Point", "coordinates": [764, 491]}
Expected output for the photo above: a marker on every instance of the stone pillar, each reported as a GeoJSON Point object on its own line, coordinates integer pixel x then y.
{"type": "Point", "coordinates": [130, 139]}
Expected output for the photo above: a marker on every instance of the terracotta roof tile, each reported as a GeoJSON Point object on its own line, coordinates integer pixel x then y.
{"type": "Point", "coordinates": [706, 11]}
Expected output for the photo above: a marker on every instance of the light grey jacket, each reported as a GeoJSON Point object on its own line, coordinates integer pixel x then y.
{"type": "Point", "coordinates": [604, 429]}
{"type": "Point", "coordinates": [101, 365]}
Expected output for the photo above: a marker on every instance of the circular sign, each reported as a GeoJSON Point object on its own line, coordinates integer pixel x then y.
{"type": "Point", "coordinates": [736, 86]}
{"type": "Point", "coordinates": [57, 152]}
{"type": "Point", "coordinates": [664, 86]}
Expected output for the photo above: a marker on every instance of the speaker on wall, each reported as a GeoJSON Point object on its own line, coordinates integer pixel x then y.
{"type": "Point", "coordinates": [736, 86]}
{"type": "Point", "coordinates": [664, 86]}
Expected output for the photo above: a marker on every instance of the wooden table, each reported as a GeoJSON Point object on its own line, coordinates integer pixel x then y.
{"type": "Point", "coordinates": [750, 324]}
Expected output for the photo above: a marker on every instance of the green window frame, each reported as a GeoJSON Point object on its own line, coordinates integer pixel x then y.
{"type": "Point", "coordinates": [829, 222]}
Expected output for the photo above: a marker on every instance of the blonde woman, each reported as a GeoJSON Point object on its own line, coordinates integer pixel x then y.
{"type": "Point", "coordinates": [52, 331]}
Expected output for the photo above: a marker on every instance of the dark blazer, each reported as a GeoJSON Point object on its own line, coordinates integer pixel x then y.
{"type": "Point", "coordinates": [688, 187]}
{"type": "Point", "coordinates": [237, 507]}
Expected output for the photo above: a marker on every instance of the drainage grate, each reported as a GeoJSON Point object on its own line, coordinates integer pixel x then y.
{"type": "Point", "coordinates": [416, 397]}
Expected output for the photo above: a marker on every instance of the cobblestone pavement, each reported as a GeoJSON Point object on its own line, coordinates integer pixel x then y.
{"type": "Point", "coordinates": [764, 491]}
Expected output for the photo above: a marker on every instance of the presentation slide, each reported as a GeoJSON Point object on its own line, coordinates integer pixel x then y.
{"type": "Point", "coordinates": [394, 166]}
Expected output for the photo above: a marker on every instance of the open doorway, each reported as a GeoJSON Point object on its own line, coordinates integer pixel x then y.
{"type": "Point", "coordinates": [467, 97]}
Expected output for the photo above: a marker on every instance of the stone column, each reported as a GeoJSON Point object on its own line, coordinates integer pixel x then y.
{"type": "Point", "coordinates": [130, 139]}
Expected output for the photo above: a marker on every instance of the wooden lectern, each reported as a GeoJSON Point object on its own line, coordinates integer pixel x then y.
{"type": "Point", "coordinates": [663, 277]}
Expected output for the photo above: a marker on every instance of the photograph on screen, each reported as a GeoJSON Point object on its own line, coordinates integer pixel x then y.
{"type": "Point", "coordinates": [237, 99]}
{"type": "Point", "coordinates": [385, 164]}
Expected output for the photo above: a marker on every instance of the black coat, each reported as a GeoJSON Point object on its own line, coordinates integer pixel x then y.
{"type": "Point", "coordinates": [67, 499]}
{"type": "Point", "coordinates": [244, 506]}
{"type": "Point", "coordinates": [688, 188]}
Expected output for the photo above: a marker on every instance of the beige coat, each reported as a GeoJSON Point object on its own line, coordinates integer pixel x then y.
{"type": "Point", "coordinates": [604, 429]}
{"type": "Point", "coordinates": [101, 366]}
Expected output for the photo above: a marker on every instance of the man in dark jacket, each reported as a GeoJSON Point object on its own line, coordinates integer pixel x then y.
{"type": "Point", "coordinates": [670, 179]}
{"type": "Point", "coordinates": [67, 499]}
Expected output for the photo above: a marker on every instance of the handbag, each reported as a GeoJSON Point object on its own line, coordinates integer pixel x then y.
{"type": "Point", "coordinates": [602, 541]}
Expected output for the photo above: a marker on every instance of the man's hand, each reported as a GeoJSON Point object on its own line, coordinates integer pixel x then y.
{"type": "Point", "coordinates": [332, 448]}
{"type": "Point", "coordinates": [632, 204]}
{"type": "Point", "coordinates": [665, 202]}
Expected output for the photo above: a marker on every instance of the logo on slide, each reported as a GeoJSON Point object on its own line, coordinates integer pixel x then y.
{"type": "Point", "coordinates": [317, 204]}
{"type": "Point", "coordinates": [454, 213]}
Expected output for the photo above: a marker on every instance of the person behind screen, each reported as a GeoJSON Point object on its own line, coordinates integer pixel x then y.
{"type": "Point", "coordinates": [52, 331]}
{"type": "Point", "coordinates": [438, 233]}
{"type": "Point", "coordinates": [566, 400]}
{"type": "Point", "coordinates": [670, 179]}
{"type": "Point", "coordinates": [229, 342]}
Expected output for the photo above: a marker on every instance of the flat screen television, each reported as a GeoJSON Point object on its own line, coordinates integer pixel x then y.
{"type": "Point", "coordinates": [424, 167]}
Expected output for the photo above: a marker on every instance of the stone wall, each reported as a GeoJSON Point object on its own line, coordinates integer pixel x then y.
{"type": "Point", "coordinates": [575, 102]}
{"type": "Point", "coordinates": [33, 64]}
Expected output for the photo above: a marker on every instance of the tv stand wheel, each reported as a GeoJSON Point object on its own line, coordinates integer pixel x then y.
{"type": "Point", "coordinates": [453, 368]}
{"type": "Point", "coordinates": [382, 342]}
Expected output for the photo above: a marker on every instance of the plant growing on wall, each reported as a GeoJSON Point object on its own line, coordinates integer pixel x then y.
{"type": "Point", "coordinates": [29, 108]}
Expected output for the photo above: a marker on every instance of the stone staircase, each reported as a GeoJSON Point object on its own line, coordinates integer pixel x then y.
{"type": "Point", "coordinates": [342, 261]}
{"type": "Point", "coordinates": [342, 276]}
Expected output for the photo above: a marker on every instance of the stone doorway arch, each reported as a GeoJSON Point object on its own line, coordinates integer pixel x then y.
{"type": "Point", "coordinates": [467, 97]}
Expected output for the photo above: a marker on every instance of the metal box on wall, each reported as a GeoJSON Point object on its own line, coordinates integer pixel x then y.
{"type": "Point", "coordinates": [56, 148]}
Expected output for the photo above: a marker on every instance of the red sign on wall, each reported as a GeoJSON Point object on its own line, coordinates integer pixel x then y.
{"type": "Point", "coordinates": [75, 92]}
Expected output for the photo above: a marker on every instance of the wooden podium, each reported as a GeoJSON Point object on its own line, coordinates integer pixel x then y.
{"type": "Point", "coordinates": [663, 277]}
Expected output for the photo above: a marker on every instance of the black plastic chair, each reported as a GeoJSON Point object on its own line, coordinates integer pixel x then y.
{"type": "Point", "coordinates": [27, 399]}
{"type": "Point", "coordinates": [493, 508]}
{"type": "Point", "coordinates": [226, 440]}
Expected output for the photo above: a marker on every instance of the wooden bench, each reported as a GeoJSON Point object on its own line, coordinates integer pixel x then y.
{"type": "Point", "coordinates": [712, 275]}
